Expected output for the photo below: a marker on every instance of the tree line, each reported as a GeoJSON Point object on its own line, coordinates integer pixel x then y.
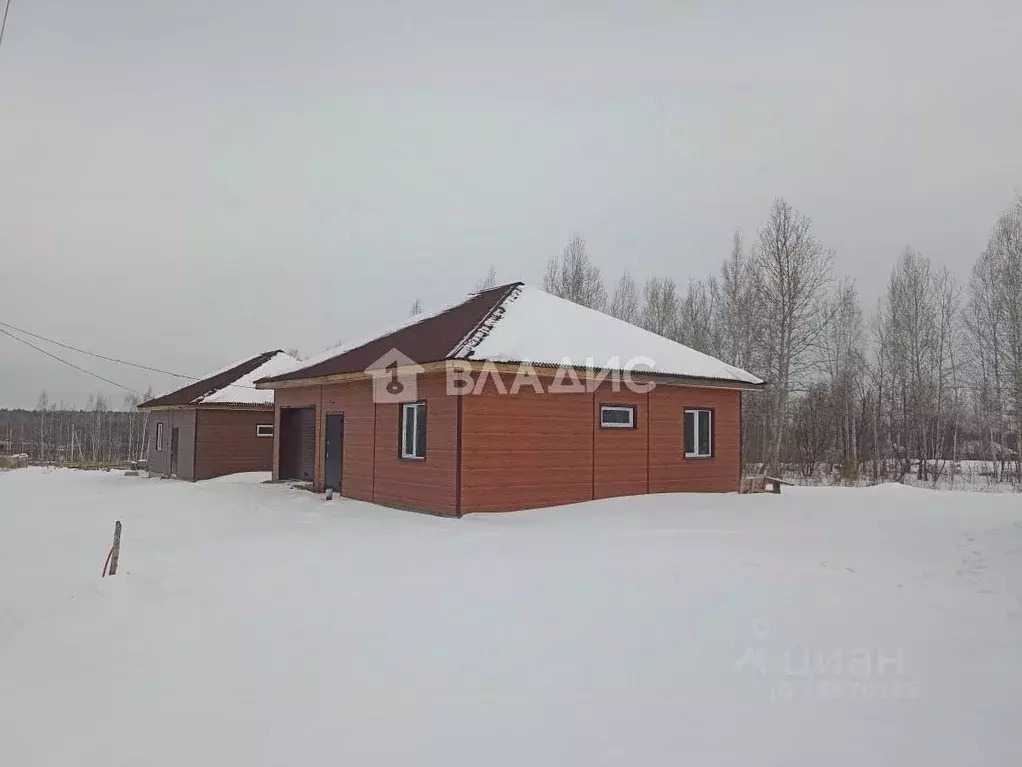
{"type": "Point", "coordinates": [933, 374]}
{"type": "Point", "coordinates": [96, 434]}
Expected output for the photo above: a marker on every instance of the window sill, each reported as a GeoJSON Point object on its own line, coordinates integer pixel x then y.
{"type": "Point", "coordinates": [413, 458]}
{"type": "Point", "coordinates": [697, 457]}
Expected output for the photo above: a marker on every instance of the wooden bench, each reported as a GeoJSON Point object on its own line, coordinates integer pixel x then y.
{"type": "Point", "coordinates": [759, 484]}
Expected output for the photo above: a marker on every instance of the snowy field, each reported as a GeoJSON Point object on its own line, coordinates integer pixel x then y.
{"type": "Point", "coordinates": [259, 625]}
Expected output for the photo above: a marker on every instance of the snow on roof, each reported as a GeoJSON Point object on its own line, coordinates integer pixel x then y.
{"type": "Point", "coordinates": [233, 384]}
{"type": "Point", "coordinates": [534, 326]}
{"type": "Point", "coordinates": [518, 323]}
{"type": "Point", "coordinates": [243, 391]}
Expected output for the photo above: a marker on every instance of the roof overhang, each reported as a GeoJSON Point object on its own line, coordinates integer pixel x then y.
{"type": "Point", "coordinates": [543, 370]}
{"type": "Point", "coordinates": [209, 406]}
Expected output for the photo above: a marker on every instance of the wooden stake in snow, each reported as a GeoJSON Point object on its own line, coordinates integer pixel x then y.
{"type": "Point", "coordinates": [115, 550]}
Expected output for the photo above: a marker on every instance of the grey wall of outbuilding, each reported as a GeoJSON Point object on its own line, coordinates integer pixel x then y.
{"type": "Point", "coordinates": [159, 460]}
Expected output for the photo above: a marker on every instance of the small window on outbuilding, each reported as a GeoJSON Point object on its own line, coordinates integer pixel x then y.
{"type": "Point", "coordinates": [159, 435]}
{"type": "Point", "coordinates": [264, 430]}
{"type": "Point", "coordinates": [698, 433]}
{"type": "Point", "coordinates": [413, 431]}
{"type": "Point", "coordinates": [617, 417]}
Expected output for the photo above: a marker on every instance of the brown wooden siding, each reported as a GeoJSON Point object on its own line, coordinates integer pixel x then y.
{"type": "Point", "coordinates": [226, 442]}
{"type": "Point", "coordinates": [525, 450]}
{"type": "Point", "coordinates": [521, 451]}
{"type": "Point", "coordinates": [620, 456]}
{"type": "Point", "coordinates": [669, 470]}
{"type": "Point", "coordinates": [372, 468]}
{"type": "Point", "coordinates": [531, 450]}
{"type": "Point", "coordinates": [427, 485]}
{"type": "Point", "coordinates": [355, 401]}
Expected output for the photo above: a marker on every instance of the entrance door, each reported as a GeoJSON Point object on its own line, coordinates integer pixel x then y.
{"type": "Point", "coordinates": [173, 451]}
{"type": "Point", "coordinates": [333, 457]}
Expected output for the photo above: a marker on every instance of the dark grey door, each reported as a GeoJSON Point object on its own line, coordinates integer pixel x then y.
{"type": "Point", "coordinates": [333, 457]}
{"type": "Point", "coordinates": [173, 451]}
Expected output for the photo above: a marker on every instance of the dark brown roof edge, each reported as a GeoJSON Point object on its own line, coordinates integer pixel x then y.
{"type": "Point", "coordinates": [483, 328]}
{"type": "Point", "coordinates": [187, 394]}
{"type": "Point", "coordinates": [431, 339]}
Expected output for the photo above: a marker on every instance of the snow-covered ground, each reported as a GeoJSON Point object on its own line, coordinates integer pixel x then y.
{"type": "Point", "coordinates": [259, 625]}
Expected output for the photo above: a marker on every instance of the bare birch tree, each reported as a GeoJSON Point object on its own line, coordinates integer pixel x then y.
{"type": "Point", "coordinates": [42, 405]}
{"type": "Point", "coordinates": [985, 331]}
{"type": "Point", "coordinates": [795, 271]}
{"type": "Point", "coordinates": [697, 317]}
{"type": "Point", "coordinates": [842, 356]}
{"type": "Point", "coordinates": [625, 302]}
{"type": "Point", "coordinates": [993, 325]}
{"type": "Point", "coordinates": [735, 294]}
{"type": "Point", "coordinates": [574, 277]}
{"type": "Point", "coordinates": [738, 333]}
{"type": "Point", "coordinates": [918, 325]}
{"type": "Point", "coordinates": [660, 306]}
{"type": "Point", "coordinates": [488, 281]}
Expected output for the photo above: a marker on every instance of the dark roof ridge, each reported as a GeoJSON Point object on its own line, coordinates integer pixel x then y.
{"type": "Point", "coordinates": [187, 394]}
{"type": "Point", "coordinates": [432, 339]}
{"type": "Point", "coordinates": [464, 348]}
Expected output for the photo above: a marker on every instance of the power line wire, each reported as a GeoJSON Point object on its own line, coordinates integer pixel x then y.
{"type": "Point", "coordinates": [98, 356]}
{"type": "Point", "coordinates": [70, 364]}
{"type": "Point", "coordinates": [3, 24]}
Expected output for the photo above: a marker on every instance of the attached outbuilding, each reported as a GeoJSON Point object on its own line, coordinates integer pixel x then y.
{"type": "Point", "coordinates": [220, 425]}
{"type": "Point", "coordinates": [511, 399]}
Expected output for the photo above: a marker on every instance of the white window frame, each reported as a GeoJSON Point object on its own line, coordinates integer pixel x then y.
{"type": "Point", "coordinates": [159, 435]}
{"type": "Point", "coordinates": [630, 409]}
{"type": "Point", "coordinates": [261, 430]}
{"type": "Point", "coordinates": [700, 413]}
{"type": "Point", "coordinates": [411, 410]}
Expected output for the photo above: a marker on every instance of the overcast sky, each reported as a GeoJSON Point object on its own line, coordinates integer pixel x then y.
{"type": "Point", "coordinates": [187, 183]}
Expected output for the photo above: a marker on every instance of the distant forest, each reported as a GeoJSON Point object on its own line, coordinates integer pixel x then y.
{"type": "Point", "coordinates": [97, 434]}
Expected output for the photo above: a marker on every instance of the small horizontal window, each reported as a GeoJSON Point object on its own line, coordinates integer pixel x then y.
{"type": "Point", "coordinates": [698, 433]}
{"type": "Point", "coordinates": [264, 430]}
{"type": "Point", "coordinates": [617, 416]}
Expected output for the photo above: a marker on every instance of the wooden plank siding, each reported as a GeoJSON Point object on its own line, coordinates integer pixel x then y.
{"type": "Point", "coordinates": [425, 485]}
{"type": "Point", "coordinates": [520, 451]}
{"type": "Point", "coordinates": [669, 470]}
{"type": "Point", "coordinates": [355, 401]}
{"type": "Point", "coordinates": [372, 469]}
{"type": "Point", "coordinates": [226, 442]}
{"type": "Point", "coordinates": [525, 450]}
{"type": "Point", "coordinates": [620, 456]}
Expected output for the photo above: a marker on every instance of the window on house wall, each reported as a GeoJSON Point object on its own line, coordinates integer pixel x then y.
{"type": "Point", "coordinates": [413, 430]}
{"type": "Point", "coordinates": [159, 435]}
{"type": "Point", "coordinates": [264, 430]}
{"type": "Point", "coordinates": [698, 433]}
{"type": "Point", "coordinates": [617, 416]}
